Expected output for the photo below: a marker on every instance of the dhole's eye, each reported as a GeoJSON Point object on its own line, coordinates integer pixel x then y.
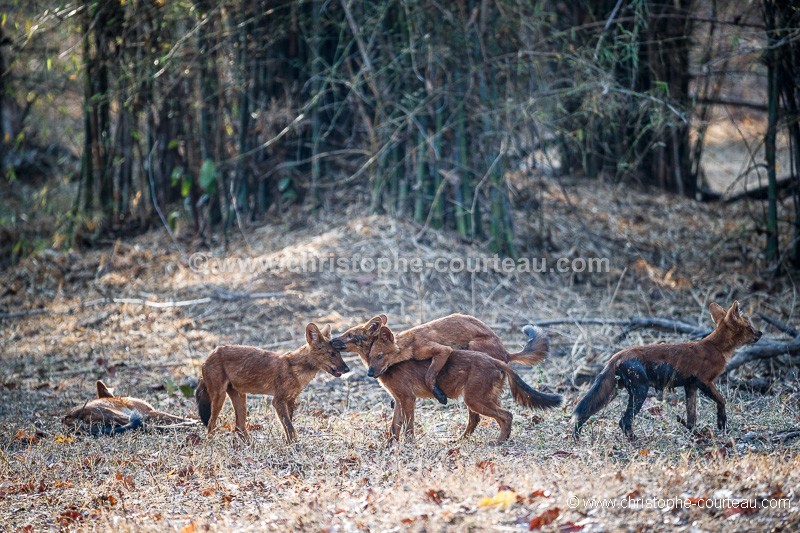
{"type": "Point", "coordinates": [380, 356]}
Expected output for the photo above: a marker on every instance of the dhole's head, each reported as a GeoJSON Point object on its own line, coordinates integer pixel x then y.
{"type": "Point", "coordinates": [359, 338]}
{"type": "Point", "coordinates": [382, 354]}
{"type": "Point", "coordinates": [77, 414]}
{"type": "Point", "coordinates": [737, 327]}
{"type": "Point", "coordinates": [323, 354]}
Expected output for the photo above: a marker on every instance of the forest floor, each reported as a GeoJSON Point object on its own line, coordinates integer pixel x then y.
{"type": "Point", "coordinates": [668, 257]}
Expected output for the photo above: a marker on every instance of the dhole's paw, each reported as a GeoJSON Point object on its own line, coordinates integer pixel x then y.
{"type": "Point", "coordinates": [440, 396]}
{"type": "Point", "coordinates": [682, 421]}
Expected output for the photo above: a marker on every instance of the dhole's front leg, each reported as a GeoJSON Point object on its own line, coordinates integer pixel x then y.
{"type": "Point", "coordinates": [281, 407]}
{"type": "Point", "coordinates": [239, 402]}
{"type": "Point", "coordinates": [217, 396]}
{"type": "Point", "coordinates": [403, 417]}
{"type": "Point", "coordinates": [438, 356]}
{"type": "Point", "coordinates": [711, 391]}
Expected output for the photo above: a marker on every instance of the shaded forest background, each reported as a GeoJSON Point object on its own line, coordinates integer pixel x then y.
{"type": "Point", "coordinates": [209, 115]}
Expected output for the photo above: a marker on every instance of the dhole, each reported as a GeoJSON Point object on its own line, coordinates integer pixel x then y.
{"type": "Point", "coordinates": [468, 373]}
{"type": "Point", "coordinates": [110, 415]}
{"type": "Point", "coordinates": [241, 370]}
{"type": "Point", "coordinates": [436, 340]}
{"type": "Point", "coordinates": [691, 365]}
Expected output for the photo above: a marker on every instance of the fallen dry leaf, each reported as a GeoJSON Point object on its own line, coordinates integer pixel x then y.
{"type": "Point", "coordinates": [487, 466]}
{"type": "Point", "coordinates": [69, 517]}
{"type": "Point", "coordinates": [62, 439]}
{"type": "Point", "coordinates": [436, 496]}
{"type": "Point", "coordinates": [23, 436]}
{"type": "Point", "coordinates": [126, 481]}
{"type": "Point", "coordinates": [562, 453]}
{"type": "Point", "coordinates": [502, 500]}
{"type": "Point", "coordinates": [540, 493]}
{"type": "Point", "coordinates": [547, 517]}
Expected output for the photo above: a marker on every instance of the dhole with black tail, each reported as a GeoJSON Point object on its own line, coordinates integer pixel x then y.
{"type": "Point", "coordinates": [240, 370]}
{"type": "Point", "coordinates": [691, 365]}
{"type": "Point", "coordinates": [436, 340]}
{"type": "Point", "coordinates": [111, 415]}
{"type": "Point", "coordinates": [476, 376]}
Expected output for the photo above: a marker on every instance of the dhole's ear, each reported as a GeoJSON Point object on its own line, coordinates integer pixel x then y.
{"type": "Point", "coordinates": [717, 312]}
{"type": "Point", "coordinates": [384, 319]}
{"type": "Point", "coordinates": [374, 325]}
{"type": "Point", "coordinates": [103, 391]}
{"type": "Point", "coordinates": [313, 334]}
{"type": "Point", "coordinates": [326, 331]}
{"type": "Point", "coordinates": [734, 310]}
{"type": "Point", "coordinates": [386, 334]}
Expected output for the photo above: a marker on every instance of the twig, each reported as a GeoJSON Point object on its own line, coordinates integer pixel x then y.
{"type": "Point", "coordinates": [759, 193]}
{"type": "Point", "coordinates": [784, 327]}
{"type": "Point", "coordinates": [764, 349]}
{"type": "Point", "coordinates": [605, 28]}
{"type": "Point", "coordinates": [157, 207]}
{"type": "Point", "coordinates": [217, 296]}
{"type": "Point", "coordinates": [778, 436]}
{"type": "Point", "coordinates": [637, 322]}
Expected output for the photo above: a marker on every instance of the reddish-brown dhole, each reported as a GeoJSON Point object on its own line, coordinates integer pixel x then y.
{"type": "Point", "coordinates": [110, 415]}
{"type": "Point", "coordinates": [691, 365]}
{"type": "Point", "coordinates": [240, 370]}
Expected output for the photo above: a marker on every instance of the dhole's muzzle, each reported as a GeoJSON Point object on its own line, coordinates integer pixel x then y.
{"type": "Point", "coordinates": [375, 372]}
{"type": "Point", "coordinates": [339, 370]}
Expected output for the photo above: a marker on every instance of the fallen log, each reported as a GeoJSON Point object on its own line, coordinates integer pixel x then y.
{"type": "Point", "coordinates": [216, 296]}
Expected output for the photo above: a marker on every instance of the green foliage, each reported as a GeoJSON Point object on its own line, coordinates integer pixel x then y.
{"type": "Point", "coordinates": [424, 107]}
{"type": "Point", "coordinates": [208, 176]}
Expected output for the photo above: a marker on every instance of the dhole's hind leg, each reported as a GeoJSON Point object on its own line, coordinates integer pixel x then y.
{"type": "Point", "coordinates": [489, 405]}
{"type": "Point", "coordinates": [691, 406]}
{"type": "Point", "coordinates": [472, 423]}
{"type": "Point", "coordinates": [239, 402]}
{"type": "Point", "coordinates": [634, 378]}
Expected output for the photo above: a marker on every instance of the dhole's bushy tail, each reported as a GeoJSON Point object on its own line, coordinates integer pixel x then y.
{"type": "Point", "coordinates": [603, 390]}
{"type": "Point", "coordinates": [535, 349]}
{"type": "Point", "coordinates": [203, 402]}
{"type": "Point", "coordinates": [527, 396]}
{"type": "Point", "coordinates": [135, 422]}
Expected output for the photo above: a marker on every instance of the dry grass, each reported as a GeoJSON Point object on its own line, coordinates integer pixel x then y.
{"type": "Point", "coordinates": [668, 257]}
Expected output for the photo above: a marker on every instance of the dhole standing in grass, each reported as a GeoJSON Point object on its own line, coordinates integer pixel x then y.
{"type": "Point", "coordinates": [110, 415]}
{"type": "Point", "coordinates": [691, 365]}
{"type": "Point", "coordinates": [240, 370]}
{"type": "Point", "coordinates": [470, 373]}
